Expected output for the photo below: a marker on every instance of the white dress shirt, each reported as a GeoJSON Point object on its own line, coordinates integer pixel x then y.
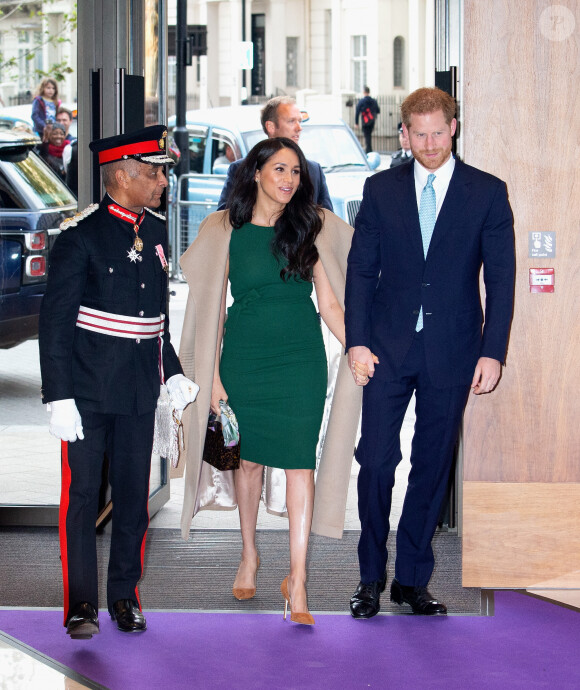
{"type": "Point", "coordinates": [440, 183]}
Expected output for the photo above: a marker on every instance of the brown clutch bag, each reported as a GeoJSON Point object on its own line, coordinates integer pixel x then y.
{"type": "Point", "coordinates": [214, 452]}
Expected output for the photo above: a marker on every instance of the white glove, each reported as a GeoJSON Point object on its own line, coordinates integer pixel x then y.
{"type": "Point", "coordinates": [182, 391]}
{"type": "Point", "coordinates": [65, 420]}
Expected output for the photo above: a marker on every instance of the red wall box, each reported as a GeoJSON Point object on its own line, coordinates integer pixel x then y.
{"type": "Point", "coordinates": [542, 280]}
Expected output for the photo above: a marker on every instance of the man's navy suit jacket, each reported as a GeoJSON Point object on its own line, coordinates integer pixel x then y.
{"type": "Point", "coordinates": [388, 278]}
{"type": "Point", "coordinates": [320, 196]}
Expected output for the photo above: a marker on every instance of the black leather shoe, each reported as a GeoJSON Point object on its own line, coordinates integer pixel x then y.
{"type": "Point", "coordinates": [419, 599]}
{"type": "Point", "coordinates": [365, 602]}
{"type": "Point", "coordinates": [128, 616]}
{"type": "Point", "coordinates": [82, 622]}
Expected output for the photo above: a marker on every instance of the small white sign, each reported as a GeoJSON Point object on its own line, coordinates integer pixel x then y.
{"type": "Point", "coordinates": [246, 55]}
{"type": "Point", "coordinates": [542, 244]}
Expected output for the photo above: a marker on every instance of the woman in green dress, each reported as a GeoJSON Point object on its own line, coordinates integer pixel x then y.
{"type": "Point", "coordinates": [273, 365]}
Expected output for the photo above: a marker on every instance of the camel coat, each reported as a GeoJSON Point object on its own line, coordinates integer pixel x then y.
{"type": "Point", "coordinates": [204, 265]}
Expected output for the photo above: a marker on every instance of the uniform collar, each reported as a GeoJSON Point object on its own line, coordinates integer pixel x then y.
{"type": "Point", "coordinates": [123, 213]}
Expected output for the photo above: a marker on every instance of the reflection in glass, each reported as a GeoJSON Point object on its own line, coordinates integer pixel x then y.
{"type": "Point", "coordinates": [152, 72]}
{"type": "Point", "coordinates": [39, 180]}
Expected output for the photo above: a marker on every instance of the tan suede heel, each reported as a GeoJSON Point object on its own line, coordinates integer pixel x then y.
{"type": "Point", "coordinates": [303, 618]}
{"type": "Point", "coordinates": [243, 593]}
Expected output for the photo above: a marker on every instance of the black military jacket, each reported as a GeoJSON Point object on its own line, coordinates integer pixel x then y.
{"type": "Point", "coordinates": [91, 265]}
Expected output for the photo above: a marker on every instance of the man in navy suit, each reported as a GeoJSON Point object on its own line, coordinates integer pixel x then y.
{"type": "Point", "coordinates": [412, 299]}
{"type": "Point", "coordinates": [281, 117]}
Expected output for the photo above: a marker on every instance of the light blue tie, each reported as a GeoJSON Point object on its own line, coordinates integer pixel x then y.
{"type": "Point", "coordinates": [427, 216]}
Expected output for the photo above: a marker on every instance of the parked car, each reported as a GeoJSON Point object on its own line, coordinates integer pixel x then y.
{"type": "Point", "coordinates": [33, 203]}
{"type": "Point", "coordinates": [328, 141]}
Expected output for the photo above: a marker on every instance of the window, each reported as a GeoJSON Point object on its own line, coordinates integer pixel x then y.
{"type": "Point", "coordinates": [197, 142]}
{"type": "Point", "coordinates": [259, 41]}
{"type": "Point", "coordinates": [224, 150]}
{"type": "Point", "coordinates": [291, 61]}
{"type": "Point", "coordinates": [30, 58]}
{"type": "Point", "coordinates": [398, 60]}
{"type": "Point", "coordinates": [31, 184]}
{"type": "Point", "coordinates": [25, 76]}
{"type": "Point", "coordinates": [359, 62]}
{"type": "Point", "coordinates": [328, 51]}
{"type": "Point", "coordinates": [171, 75]}
{"type": "Point", "coordinates": [38, 58]}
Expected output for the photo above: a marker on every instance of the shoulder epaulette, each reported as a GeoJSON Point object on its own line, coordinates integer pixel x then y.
{"type": "Point", "coordinates": [74, 220]}
{"type": "Point", "coordinates": [154, 213]}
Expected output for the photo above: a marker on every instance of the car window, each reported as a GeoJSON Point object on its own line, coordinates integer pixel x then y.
{"type": "Point", "coordinates": [29, 183]}
{"type": "Point", "coordinates": [224, 149]}
{"type": "Point", "coordinates": [333, 147]}
{"type": "Point", "coordinates": [197, 143]}
{"type": "Point", "coordinates": [252, 138]}
{"type": "Point", "coordinates": [9, 197]}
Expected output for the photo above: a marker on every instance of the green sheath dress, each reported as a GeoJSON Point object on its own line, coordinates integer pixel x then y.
{"type": "Point", "coordinates": [273, 363]}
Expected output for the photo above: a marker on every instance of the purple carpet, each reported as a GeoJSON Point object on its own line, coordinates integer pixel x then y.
{"type": "Point", "coordinates": [528, 644]}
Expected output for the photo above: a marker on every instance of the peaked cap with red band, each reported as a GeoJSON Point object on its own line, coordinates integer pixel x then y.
{"type": "Point", "coordinates": [147, 145]}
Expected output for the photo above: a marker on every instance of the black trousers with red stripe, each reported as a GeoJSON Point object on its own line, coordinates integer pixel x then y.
{"type": "Point", "coordinates": [127, 440]}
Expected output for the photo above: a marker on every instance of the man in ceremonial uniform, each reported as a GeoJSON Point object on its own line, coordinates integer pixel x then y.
{"type": "Point", "coordinates": [104, 350]}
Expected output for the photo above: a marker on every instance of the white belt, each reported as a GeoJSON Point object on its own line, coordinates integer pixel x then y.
{"type": "Point", "coordinates": [119, 325]}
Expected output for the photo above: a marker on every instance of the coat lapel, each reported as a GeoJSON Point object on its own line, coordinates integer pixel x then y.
{"type": "Point", "coordinates": [408, 206]}
{"type": "Point", "coordinates": [455, 200]}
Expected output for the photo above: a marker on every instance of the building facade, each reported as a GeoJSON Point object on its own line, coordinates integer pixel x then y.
{"type": "Point", "coordinates": [310, 49]}
{"type": "Point", "coordinates": [36, 37]}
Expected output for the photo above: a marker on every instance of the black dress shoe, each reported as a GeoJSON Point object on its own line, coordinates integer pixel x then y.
{"type": "Point", "coordinates": [419, 599]}
{"type": "Point", "coordinates": [128, 616]}
{"type": "Point", "coordinates": [82, 622]}
{"type": "Point", "coordinates": [365, 602]}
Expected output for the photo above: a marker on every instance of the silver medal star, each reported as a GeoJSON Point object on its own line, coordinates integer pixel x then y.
{"type": "Point", "coordinates": [133, 255]}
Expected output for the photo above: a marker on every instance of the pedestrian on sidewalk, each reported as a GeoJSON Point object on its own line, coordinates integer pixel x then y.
{"type": "Point", "coordinates": [367, 109]}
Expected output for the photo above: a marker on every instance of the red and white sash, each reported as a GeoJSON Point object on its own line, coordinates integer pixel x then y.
{"type": "Point", "coordinates": [119, 325]}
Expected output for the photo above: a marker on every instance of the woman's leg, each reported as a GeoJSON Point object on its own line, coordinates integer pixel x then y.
{"type": "Point", "coordinates": [300, 503]}
{"type": "Point", "coordinates": [248, 492]}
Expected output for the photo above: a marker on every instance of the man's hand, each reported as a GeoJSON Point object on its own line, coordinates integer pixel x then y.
{"type": "Point", "coordinates": [486, 375]}
{"type": "Point", "coordinates": [65, 420]}
{"type": "Point", "coordinates": [362, 364]}
{"type": "Point", "coordinates": [181, 390]}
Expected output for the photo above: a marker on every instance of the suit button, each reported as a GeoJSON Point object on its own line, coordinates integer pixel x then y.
{"type": "Point", "coordinates": [142, 285]}
{"type": "Point", "coordinates": [138, 340]}
{"type": "Point", "coordinates": [141, 313]}
{"type": "Point", "coordinates": [415, 311]}
{"type": "Point", "coordinates": [110, 270]}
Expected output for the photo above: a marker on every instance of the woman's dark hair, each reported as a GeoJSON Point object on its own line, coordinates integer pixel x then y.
{"type": "Point", "coordinates": [299, 224]}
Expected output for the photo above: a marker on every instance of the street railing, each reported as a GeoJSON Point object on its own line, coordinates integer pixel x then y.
{"type": "Point", "coordinates": [191, 198]}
